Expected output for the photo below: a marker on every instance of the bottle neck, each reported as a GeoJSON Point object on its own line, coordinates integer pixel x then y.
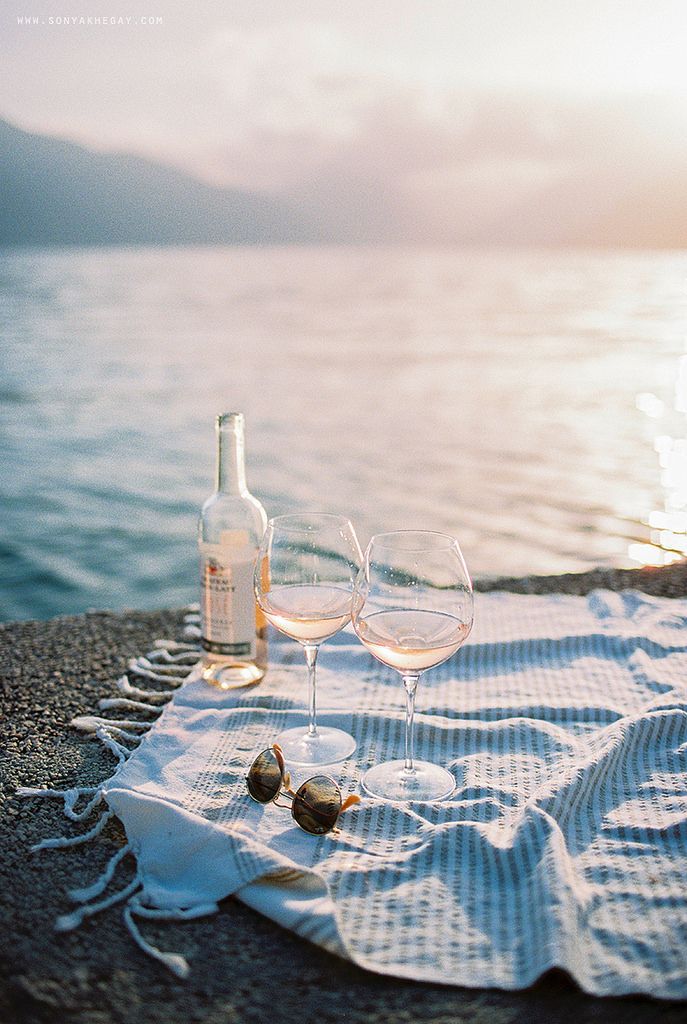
{"type": "Point", "coordinates": [231, 464]}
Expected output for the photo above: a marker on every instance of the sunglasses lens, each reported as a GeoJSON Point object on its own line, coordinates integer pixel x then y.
{"type": "Point", "coordinates": [316, 805]}
{"type": "Point", "coordinates": [264, 778]}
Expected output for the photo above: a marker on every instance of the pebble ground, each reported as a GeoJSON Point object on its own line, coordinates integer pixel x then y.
{"type": "Point", "coordinates": [245, 969]}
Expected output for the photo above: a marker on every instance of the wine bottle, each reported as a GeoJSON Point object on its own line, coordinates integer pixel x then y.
{"type": "Point", "coordinates": [231, 525]}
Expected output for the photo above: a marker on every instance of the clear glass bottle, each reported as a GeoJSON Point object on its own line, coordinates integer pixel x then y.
{"type": "Point", "coordinates": [231, 525]}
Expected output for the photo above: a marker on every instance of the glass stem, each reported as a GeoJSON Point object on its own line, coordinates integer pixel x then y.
{"type": "Point", "coordinates": [410, 683]}
{"type": "Point", "coordinates": [311, 659]}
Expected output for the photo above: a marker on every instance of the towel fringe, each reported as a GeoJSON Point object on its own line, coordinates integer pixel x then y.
{"type": "Point", "coordinates": [101, 883]}
{"type": "Point", "coordinates": [185, 658]}
{"type": "Point", "coordinates": [70, 800]}
{"type": "Point", "coordinates": [61, 842]}
{"type": "Point", "coordinates": [170, 662]}
{"type": "Point", "coordinates": [176, 963]}
{"type": "Point", "coordinates": [120, 751]}
{"type": "Point", "coordinates": [139, 669]}
{"type": "Point", "coordinates": [177, 672]}
{"type": "Point", "coordinates": [173, 961]}
{"type": "Point", "coordinates": [91, 723]}
{"type": "Point", "coordinates": [67, 922]}
{"type": "Point", "coordinates": [125, 686]}
{"type": "Point", "coordinates": [126, 703]}
{"type": "Point", "coordinates": [174, 645]}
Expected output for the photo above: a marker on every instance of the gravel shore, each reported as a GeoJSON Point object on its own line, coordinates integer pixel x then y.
{"type": "Point", "coordinates": [244, 968]}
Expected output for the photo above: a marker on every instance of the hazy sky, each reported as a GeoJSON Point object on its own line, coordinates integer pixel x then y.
{"type": "Point", "coordinates": [425, 112]}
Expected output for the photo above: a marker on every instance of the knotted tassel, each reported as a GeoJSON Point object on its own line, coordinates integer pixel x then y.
{"type": "Point", "coordinates": [127, 704]}
{"type": "Point", "coordinates": [118, 749]}
{"type": "Point", "coordinates": [125, 686]}
{"type": "Point", "coordinates": [60, 842]}
{"type": "Point", "coordinates": [187, 657]}
{"type": "Point", "coordinates": [67, 922]}
{"type": "Point", "coordinates": [70, 798]}
{"type": "Point", "coordinates": [174, 645]}
{"type": "Point", "coordinates": [91, 723]}
{"type": "Point", "coordinates": [101, 883]}
{"type": "Point", "coordinates": [139, 669]}
{"type": "Point", "coordinates": [174, 961]}
{"type": "Point", "coordinates": [175, 671]}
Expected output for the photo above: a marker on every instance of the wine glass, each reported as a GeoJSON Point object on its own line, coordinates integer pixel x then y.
{"type": "Point", "coordinates": [304, 577]}
{"type": "Point", "coordinates": [412, 609]}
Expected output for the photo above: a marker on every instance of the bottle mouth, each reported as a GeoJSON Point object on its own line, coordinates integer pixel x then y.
{"type": "Point", "coordinates": [229, 420]}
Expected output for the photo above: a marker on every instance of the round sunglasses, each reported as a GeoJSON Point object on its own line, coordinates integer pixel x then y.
{"type": "Point", "coordinates": [315, 806]}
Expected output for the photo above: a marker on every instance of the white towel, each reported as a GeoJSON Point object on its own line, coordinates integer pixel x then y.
{"type": "Point", "coordinates": [564, 721]}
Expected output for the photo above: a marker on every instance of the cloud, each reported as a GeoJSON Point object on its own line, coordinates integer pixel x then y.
{"type": "Point", "coordinates": [291, 84]}
{"type": "Point", "coordinates": [365, 149]}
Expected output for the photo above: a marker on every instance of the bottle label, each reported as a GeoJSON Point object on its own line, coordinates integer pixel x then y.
{"type": "Point", "coordinates": [227, 605]}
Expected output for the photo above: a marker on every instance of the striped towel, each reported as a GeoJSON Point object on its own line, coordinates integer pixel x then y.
{"type": "Point", "coordinates": [564, 721]}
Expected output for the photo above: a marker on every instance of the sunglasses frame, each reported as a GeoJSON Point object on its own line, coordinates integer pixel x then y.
{"type": "Point", "coordinates": [284, 789]}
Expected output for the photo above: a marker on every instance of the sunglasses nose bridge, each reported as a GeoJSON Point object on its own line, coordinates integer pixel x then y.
{"type": "Point", "coordinates": [315, 807]}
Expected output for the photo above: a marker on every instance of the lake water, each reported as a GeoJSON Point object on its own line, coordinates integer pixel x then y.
{"type": "Point", "coordinates": [531, 403]}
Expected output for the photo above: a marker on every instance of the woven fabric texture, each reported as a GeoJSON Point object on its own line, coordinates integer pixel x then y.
{"type": "Point", "coordinates": [564, 721]}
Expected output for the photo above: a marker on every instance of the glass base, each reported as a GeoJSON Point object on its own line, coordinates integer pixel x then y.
{"type": "Point", "coordinates": [327, 746]}
{"type": "Point", "coordinates": [231, 674]}
{"type": "Point", "coordinates": [391, 781]}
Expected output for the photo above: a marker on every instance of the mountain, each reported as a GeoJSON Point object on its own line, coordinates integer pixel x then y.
{"type": "Point", "coordinates": [54, 192]}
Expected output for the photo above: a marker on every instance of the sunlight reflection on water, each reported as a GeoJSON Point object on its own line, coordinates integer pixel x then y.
{"type": "Point", "coordinates": [531, 403]}
{"type": "Point", "coordinates": [668, 537]}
